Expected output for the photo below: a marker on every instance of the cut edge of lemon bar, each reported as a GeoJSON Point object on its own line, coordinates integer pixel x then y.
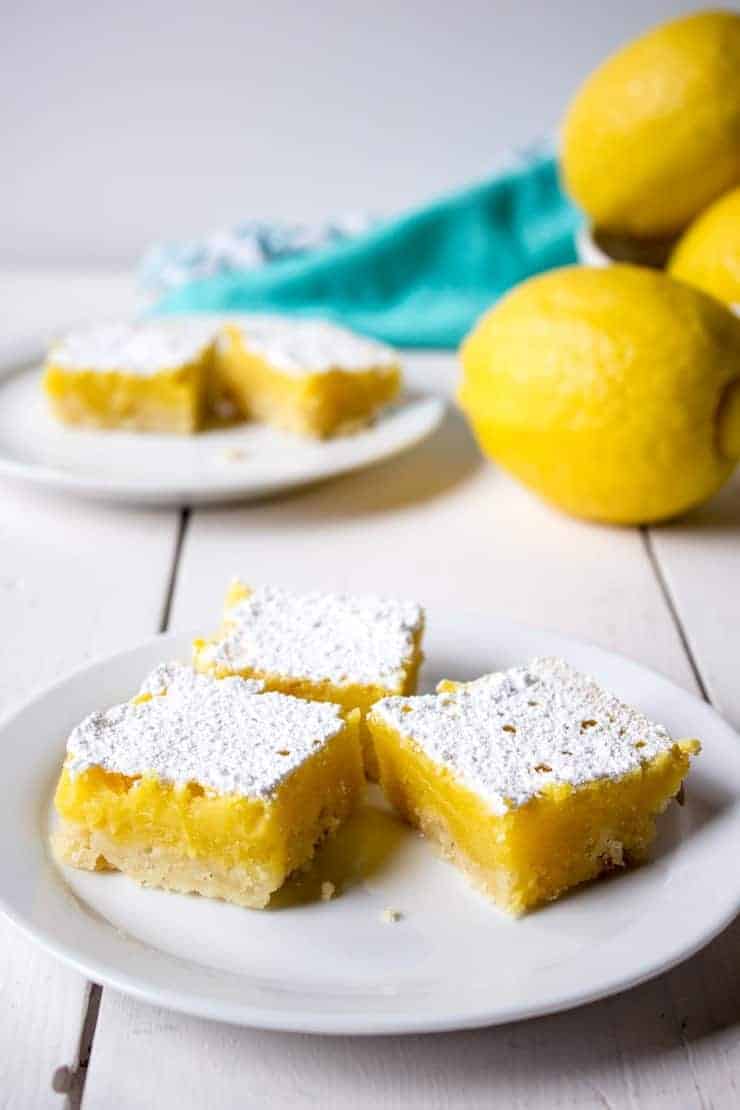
{"type": "Point", "coordinates": [351, 650]}
{"type": "Point", "coordinates": [309, 377]}
{"type": "Point", "coordinates": [146, 377]}
{"type": "Point", "coordinates": [532, 780]}
{"type": "Point", "coordinates": [206, 786]}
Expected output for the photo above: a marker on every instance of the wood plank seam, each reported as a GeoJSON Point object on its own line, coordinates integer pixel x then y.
{"type": "Point", "coordinates": [182, 528]}
{"type": "Point", "coordinates": [74, 1085]}
{"type": "Point", "coordinates": [696, 670]}
{"type": "Point", "coordinates": [75, 1082]}
{"type": "Point", "coordinates": [674, 613]}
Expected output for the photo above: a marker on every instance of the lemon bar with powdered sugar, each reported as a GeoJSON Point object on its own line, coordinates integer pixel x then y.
{"type": "Point", "coordinates": [207, 785]}
{"type": "Point", "coordinates": [533, 780]}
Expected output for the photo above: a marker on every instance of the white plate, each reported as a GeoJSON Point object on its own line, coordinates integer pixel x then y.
{"type": "Point", "coordinates": [453, 961]}
{"type": "Point", "coordinates": [235, 464]}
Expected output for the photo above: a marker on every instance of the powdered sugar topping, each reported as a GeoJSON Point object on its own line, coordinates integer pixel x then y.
{"type": "Point", "coordinates": [220, 733]}
{"type": "Point", "coordinates": [509, 734]}
{"type": "Point", "coordinates": [174, 676]}
{"type": "Point", "coordinates": [312, 346]}
{"type": "Point", "coordinates": [293, 346]}
{"type": "Point", "coordinates": [337, 638]}
{"type": "Point", "coordinates": [142, 349]}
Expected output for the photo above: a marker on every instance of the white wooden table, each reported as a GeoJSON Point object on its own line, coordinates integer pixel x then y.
{"type": "Point", "coordinates": [79, 580]}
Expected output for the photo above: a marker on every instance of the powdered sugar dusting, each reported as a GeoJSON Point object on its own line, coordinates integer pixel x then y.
{"type": "Point", "coordinates": [508, 734]}
{"type": "Point", "coordinates": [293, 346]}
{"type": "Point", "coordinates": [142, 349]}
{"type": "Point", "coordinates": [174, 676]}
{"type": "Point", "coordinates": [312, 346]}
{"type": "Point", "coordinates": [220, 733]}
{"type": "Point", "coordinates": [364, 641]}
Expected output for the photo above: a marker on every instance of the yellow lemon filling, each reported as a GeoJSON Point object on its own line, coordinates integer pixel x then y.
{"type": "Point", "coordinates": [172, 401]}
{"type": "Point", "coordinates": [320, 403]}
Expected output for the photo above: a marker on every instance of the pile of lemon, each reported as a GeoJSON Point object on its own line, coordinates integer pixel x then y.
{"type": "Point", "coordinates": [615, 392]}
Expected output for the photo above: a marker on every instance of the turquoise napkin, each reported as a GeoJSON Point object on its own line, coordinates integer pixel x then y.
{"type": "Point", "coordinates": [422, 279]}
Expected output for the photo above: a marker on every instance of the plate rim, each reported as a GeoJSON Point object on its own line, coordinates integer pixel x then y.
{"type": "Point", "coordinates": [349, 1023]}
{"type": "Point", "coordinates": [25, 357]}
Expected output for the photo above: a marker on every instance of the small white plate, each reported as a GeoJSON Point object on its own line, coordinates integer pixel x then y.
{"type": "Point", "coordinates": [453, 960]}
{"type": "Point", "coordinates": [240, 463]}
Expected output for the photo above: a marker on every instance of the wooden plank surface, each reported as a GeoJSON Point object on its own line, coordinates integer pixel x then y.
{"type": "Point", "coordinates": [440, 526]}
{"type": "Point", "coordinates": [76, 581]}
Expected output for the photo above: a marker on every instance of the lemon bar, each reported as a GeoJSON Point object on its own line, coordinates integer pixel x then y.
{"type": "Point", "coordinates": [532, 780]}
{"type": "Point", "coordinates": [328, 647]}
{"type": "Point", "coordinates": [304, 376]}
{"type": "Point", "coordinates": [150, 377]}
{"type": "Point", "coordinates": [207, 786]}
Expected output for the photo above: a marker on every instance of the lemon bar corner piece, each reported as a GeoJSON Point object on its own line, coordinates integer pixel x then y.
{"type": "Point", "coordinates": [147, 377]}
{"type": "Point", "coordinates": [532, 780]}
{"type": "Point", "coordinates": [206, 786]}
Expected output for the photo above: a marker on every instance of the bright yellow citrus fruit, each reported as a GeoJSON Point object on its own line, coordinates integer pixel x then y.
{"type": "Point", "coordinates": [708, 254]}
{"type": "Point", "coordinates": [653, 136]}
{"type": "Point", "coordinates": [613, 393]}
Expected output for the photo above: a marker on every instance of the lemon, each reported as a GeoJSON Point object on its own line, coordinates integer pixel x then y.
{"type": "Point", "coordinates": [708, 254]}
{"type": "Point", "coordinates": [613, 393]}
{"type": "Point", "coordinates": [653, 136]}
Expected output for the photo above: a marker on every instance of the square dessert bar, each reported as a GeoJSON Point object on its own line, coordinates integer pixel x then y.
{"type": "Point", "coordinates": [206, 785]}
{"type": "Point", "coordinates": [151, 377]}
{"type": "Point", "coordinates": [306, 376]}
{"type": "Point", "coordinates": [328, 647]}
{"type": "Point", "coordinates": [532, 780]}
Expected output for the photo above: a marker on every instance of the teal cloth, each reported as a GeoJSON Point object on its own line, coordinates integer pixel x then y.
{"type": "Point", "coordinates": [422, 279]}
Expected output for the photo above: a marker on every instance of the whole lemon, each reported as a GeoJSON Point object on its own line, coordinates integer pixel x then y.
{"type": "Point", "coordinates": [653, 136]}
{"type": "Point", "coordinates": [614, 393]}
{"type": "Point", "coordinates": [708, 254]}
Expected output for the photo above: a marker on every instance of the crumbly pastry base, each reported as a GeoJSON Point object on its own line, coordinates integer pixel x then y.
{"type": "Point", "coordinates": [94, 850]}
{"type": "Point", "coordinates": [177, 420]}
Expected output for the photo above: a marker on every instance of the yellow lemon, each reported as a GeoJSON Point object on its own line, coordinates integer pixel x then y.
{"type": "Point", "coordinates": [708, 254]}
{"type": "Point", "coordinates": [614, 393]}
{"type": "Point", "coordinates": [653, 136]}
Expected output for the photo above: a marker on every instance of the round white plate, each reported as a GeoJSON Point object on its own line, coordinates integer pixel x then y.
{"type": "Point", "coordinates": [453, 960]}
{"type": "Point", "coordinates": [241, 463]}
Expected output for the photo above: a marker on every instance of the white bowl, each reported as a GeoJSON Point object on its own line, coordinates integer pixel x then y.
{"type": "Point", "coordinates": [589, 252]}
{"type": "Point", "coordinates": [604, 248]}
